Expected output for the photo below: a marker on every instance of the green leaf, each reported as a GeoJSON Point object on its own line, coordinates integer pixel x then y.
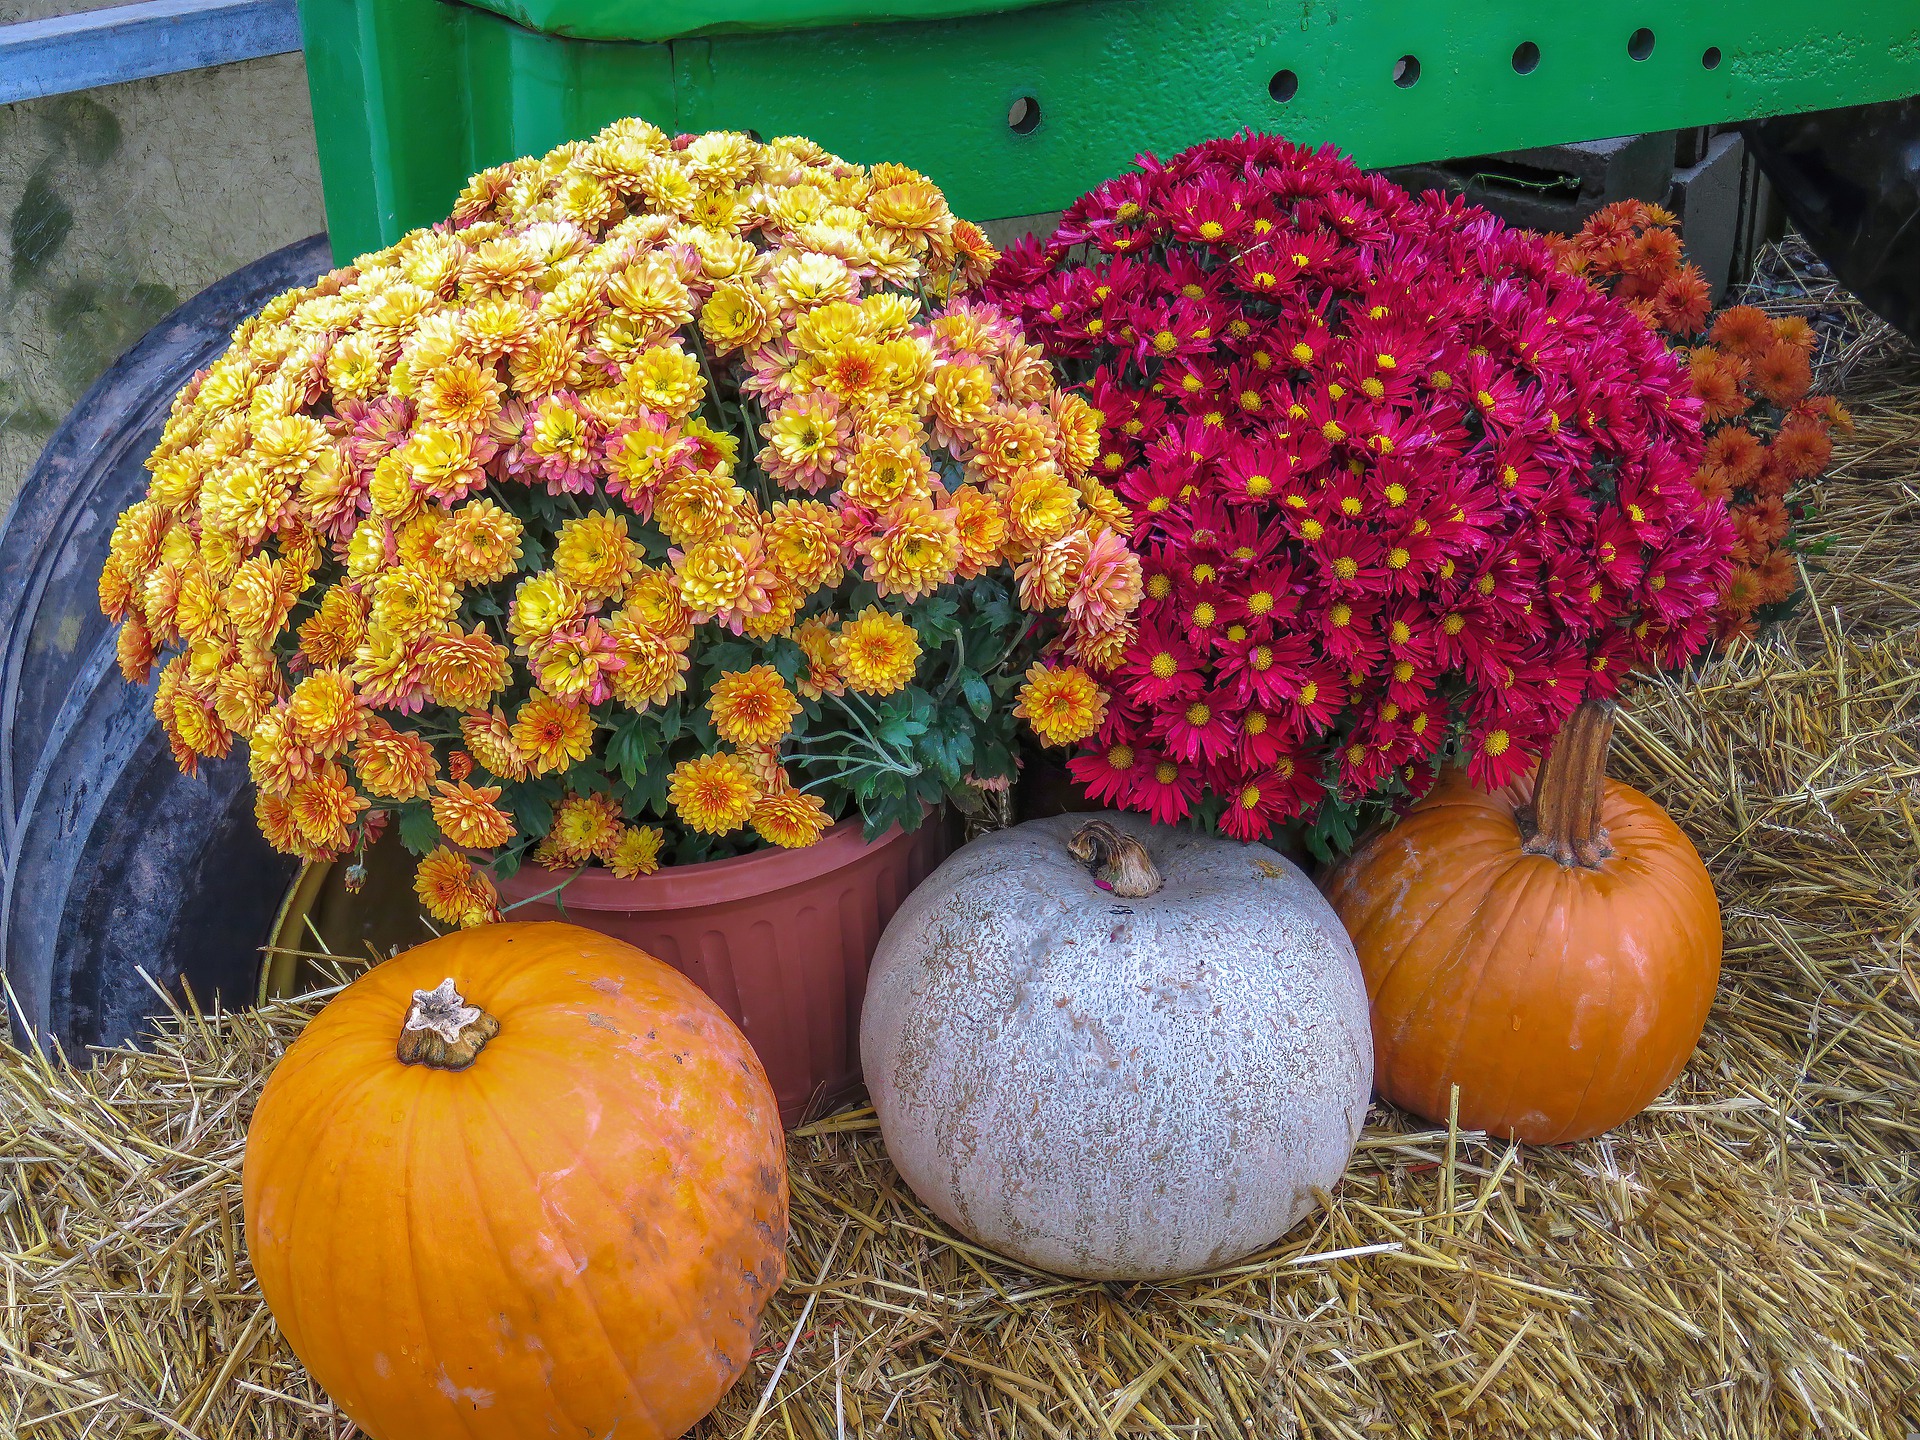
{"type": "Point", "coordinates": [978, 695]}
{"type": "Point", "coordinates": [418, 832]}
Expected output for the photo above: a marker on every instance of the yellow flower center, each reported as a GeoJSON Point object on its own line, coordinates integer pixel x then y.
{"type": "Point", "coordinates": [1346, 567]}
{"type": "Point", "coordinates": [1397, 558]}
{"type": "Point", "coordinates": [1454, 624]}
{"type": "Point", "coordinates": [1249, 797]}
{"type": "Point", "coordinates": [1165, 342]}
{"type": "Point", "coordinates": [1496, 742]}
{"type": "Point", "coordinates": [1120, 757]}
{"type": "Point", "coordinates": [1203, 614]}
{"type": "Point", "coordinates": [1164, 665]}
{"type": "Point", "coordinates": [1309, 692]}
{"type": "Point", "coordinates": [1198, 714]}
{"type": "Point", "coordinates": [1260, 602]}
{"type": "Point", "coordinates": [1341, 615]}
{"type": "Point", "coordinates": [1166, 773]}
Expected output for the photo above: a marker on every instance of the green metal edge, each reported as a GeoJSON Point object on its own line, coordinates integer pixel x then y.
{"type": "Point", "coordinates": [411, 96]}
{"type": "Point", "coordinates": [677, 19]}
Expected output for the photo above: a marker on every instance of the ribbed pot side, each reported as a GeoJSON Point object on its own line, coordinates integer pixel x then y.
{"type": "Point", "coordinates": [781, 939]}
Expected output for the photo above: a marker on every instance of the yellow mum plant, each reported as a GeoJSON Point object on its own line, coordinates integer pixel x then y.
{"type": "Point", "coordinates": [674, 497]}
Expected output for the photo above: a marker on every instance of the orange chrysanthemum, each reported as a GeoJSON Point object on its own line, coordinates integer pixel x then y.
{"type": "Point", "coordinates": [467, 815]}
{"type": "Point", "coordinates": [1717, 380]}
{"type": "Point", "coordinates": [465, 670]}
{"type": "Point", "coordinates": [324, 805]}
{"type": "Point", "coordinates": [325, 713]}
{"type": "Point", "coordinates": [453, 891]}
{"type": "Point", "coordinates": [552, 734]}
{"type": "Point", "coordinates": [335, 630]}
{"type": "Point", "coordinates": [489, 740]}
{"type": "Point", "coordinates": [790, 819]}
{"type": "Point", "coordinates": [1745, 330]}
{"type": "Point", "coordinates": [1062, 704]}
{"type": "Point", "coordinates": [752, 707]}
{"type": "Point", "coordinates": [1783, 374]}
{"type": "Point", "coordinates": [1801, 448]}
{"type": "Point", "coordinates": [394, 764]}
{"type": "Point", "coordinates": [713, 793]}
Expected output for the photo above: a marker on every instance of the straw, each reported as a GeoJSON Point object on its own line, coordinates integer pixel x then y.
{"type": "Point", "coordinates": [1742, 1260]}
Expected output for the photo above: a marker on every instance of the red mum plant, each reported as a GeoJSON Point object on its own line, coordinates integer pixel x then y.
{"type": "Point", "coordinates": [1405, 491]}
{"type": "Point", "coordinates": [1753, 374]}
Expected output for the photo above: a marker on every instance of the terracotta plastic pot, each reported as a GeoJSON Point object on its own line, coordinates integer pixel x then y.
{"type": "Point", "coordinates": [781, 939]}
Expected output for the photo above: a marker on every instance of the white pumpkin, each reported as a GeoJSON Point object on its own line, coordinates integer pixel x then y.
{"type": "Point", "coordinates": [1111, 1087]}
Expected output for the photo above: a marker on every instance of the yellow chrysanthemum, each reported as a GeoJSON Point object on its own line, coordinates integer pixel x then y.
{"type": "Point", "coordinates": [913, 550]}
{"type": "Point", "coordinates": [667, 379]}
{"type": "Point", "coordinates": [714, 793]}
{"type": "Point", "coordinates": [875, 653]}
{"type": "Point", "coordinates": [467, 815]}
{"type": "Point", "coordinates": [595, 555]}
{"type": "Point", "coordinates": [699, 506]}
{"type": "Point", "coordinates": [462, 394]}
{"type": "Point", "coordinates": [654, 666]}
{"type": "Point", "coordinates": [412, 603]}
{"type": "Point", "coordinates": [888, 468]}
{"type": "Point", "coordinates": [636, 852]}
{"type": "Point", "coordinates": [480, 544]}
{"type": "Point", "coordinates": [804, 544]}
{"type": "Point", "coordinates": [585, 828]}
{"type": "Point", "coordinates": [551, 734]}
{"type": "Point", "coordinates": [815, 636]}
{"type": "Point", "coordinates": [1062, 703]}
{"type": "Point", "coordinates": [541, 605]}
{"type": "Point", "coordinates": [653, 603]}
{"type": "Point", "coordinates": [738, 313]}
{"type": "Point", "coordinates": [1040, 506]}
{"type": "Point", "coordinates": [752, 707]}
{"type": "Point", "coordinates": [489, 740]}
{"type": "Point", "coordinates": [324, 713]}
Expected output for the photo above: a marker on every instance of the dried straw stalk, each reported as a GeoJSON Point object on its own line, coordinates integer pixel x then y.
{"type": "Point", "coordinates": [1743, 1260]}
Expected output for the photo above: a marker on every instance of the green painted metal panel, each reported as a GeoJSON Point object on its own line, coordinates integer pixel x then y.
{"type": "Point", "coordinates": [676, 19]}
{"type": "Point", "coordinates": [1016, 113]}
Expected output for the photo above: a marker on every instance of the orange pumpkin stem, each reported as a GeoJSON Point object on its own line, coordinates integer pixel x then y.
{"type": "Point", "coordinates": [1118, 861]}
{"type": "Point", "coordinates": [442, 1031]}
{"type": "Point", "coordinates": [1564, 819]}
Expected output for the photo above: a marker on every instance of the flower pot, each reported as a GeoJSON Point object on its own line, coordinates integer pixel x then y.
{"type": "Point", "coordinates": [781, 939]}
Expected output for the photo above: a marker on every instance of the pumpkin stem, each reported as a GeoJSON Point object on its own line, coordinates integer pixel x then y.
{"type": "Point", "coordinates": [442, 1031]}
{"type": "Point", "coordinates": [1564, 819]}
{"type": "Point", "coordinates": [1117, 861]}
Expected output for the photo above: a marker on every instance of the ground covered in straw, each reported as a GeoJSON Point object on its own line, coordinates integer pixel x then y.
{"type": "Point", "coordinates": [1743, 1260]}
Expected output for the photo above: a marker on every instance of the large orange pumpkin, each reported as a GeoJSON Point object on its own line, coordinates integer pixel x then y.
{"type": "Point", "coordinates": [1553, 953]}
{"type": "Point", "coordinates": [521, 1181]}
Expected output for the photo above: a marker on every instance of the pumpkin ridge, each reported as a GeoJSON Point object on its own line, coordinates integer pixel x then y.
{"type": "Point", "coordinates": [1576, 1114]}
{"type": "Point", "coordinates": [486, 1215]}
{"type": "Point", "coordinates": [410, 1157]}
{"type": "Point", "coordinates": [1405, 944]}
{"type": "Point", "coordinates": [635, 1392]}
{"type": "Point", "coordinates": [1493, 949]}
{"type": "Point", "coordinates": [304, 1194]}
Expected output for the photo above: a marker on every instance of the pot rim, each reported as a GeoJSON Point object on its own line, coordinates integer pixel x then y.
{"type": "Point", "coordinates": [710, 882]}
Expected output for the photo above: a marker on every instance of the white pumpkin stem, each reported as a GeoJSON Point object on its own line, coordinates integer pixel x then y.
{"type": "Point", "coordinates": [1119, 861]}
{"type": "Point", "coordinates": [1570, 790]}
{"type": "Point", "coordinates": [442, 1031]}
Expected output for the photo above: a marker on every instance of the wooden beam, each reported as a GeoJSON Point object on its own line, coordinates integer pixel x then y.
{"type": "Point", "coordinates": [136, 42]}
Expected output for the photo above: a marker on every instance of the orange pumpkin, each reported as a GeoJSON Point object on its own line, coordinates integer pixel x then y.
{"type": "Point", "coordinates": [523, 1180]}
{"type": "Point", "coordinates": [1553, 953]}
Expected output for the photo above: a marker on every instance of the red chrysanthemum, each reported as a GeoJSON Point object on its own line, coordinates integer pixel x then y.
{"type": "Point", "coordinates": [1399, 481]}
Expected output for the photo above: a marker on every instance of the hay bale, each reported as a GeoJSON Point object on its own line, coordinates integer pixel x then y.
{"type": "Point", "coordinates": [1743, 1259]}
